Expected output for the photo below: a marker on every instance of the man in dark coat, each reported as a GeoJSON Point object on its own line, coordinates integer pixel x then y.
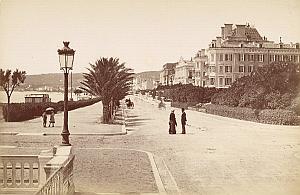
{"type": "Point", "coordinates": [183, 120]}
{"type": "Point", "coordinates": [172, 123]}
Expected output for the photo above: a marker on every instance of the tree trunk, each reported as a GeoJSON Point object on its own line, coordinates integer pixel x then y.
{"type": "Point", "coordinates": [106, 112]}
{"type": "Point", "coordinates": [111, 108]}
{"type": "Point", "coordinates": [7, 110]}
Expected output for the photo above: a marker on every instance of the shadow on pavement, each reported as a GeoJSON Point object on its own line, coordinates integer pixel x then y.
{"type": "Point", "coordinates": [134, 124]}
{"type": "Point", "coordinates": [137, 119]}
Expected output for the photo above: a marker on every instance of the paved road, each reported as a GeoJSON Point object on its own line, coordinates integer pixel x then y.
{"type": "Point", "coordinates": [217, 155]}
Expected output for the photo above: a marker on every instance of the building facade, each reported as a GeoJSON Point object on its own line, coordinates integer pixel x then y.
{"type": "Point", "coordinates": [146, 80]}
{"type": "Point", "coordinates": [201, 78]}
{"type": "Point", "coordinates": [167, 74]}
{"type": "Point", "coordinates": [240, 50]}
{"type": "Point", "coordinates": [185, 72]}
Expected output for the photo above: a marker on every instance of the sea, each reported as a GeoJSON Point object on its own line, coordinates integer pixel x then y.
{"type": "Point", "coordinates": [19, 96]}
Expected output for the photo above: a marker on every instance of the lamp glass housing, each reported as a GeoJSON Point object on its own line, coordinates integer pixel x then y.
{"type": "Point", "coordinates": [66, 57]}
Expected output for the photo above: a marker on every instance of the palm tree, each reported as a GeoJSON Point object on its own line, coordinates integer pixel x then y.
{"type": "Point", "coordinates": [9, 82]}
{"type": "Point", "coordinates": [109, 80]}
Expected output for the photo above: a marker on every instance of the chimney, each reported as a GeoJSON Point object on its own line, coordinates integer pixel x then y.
{"type": "Point", "coordinates": [222, 32]}
{"type": "Point", "coordinates": [218, 43]}
{"type": "Point", "coordinates": [227, 30]}
{"type": "Point", "coordinates": [240, 30]}
{"type": "Point", "coordinates": [213, 43]}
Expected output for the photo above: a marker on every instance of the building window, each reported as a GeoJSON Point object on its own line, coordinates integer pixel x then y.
{"type": "Point", "coordinates": [250, 68]}
{"type": "Point", "coordinates": [221, 70]}
{"type": "Point", "coordinates": [221, 57]}
{"type": "Point", "coordinates": [212, 57]}
{"type": "Point", "coordinates": [198, 65]}
{"type": "Point", "coordinates": [212, 81]}
{"type": "Point", "coordinates": [212, 69]}
{"type": "Point", "coordinates": [242, 57]}
{"type": "Point", "coordinates": [251, 57]}
{"type": "Point", "coordinates": [228, 81]}
{"type": "Point", "coordinates": [228, 57]}
{"type": "Point", "coordinates": [204, 74]}
{"type": "Point", "coordinates": [271, 58]}
{"type": "Point", "coordinates": [260, 57]}
{"type": "Point", "coordinates": [241, 69]}
{"type": "Point", "coordinates": [228, 68]}
{"type": "Point", "coordinates": [220, 81]}
{"type": "Point", "coordinates": [203, 83]}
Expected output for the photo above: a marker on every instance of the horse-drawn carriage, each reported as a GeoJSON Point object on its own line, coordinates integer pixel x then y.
{"type": "Point", "coordinates": [129, 103]}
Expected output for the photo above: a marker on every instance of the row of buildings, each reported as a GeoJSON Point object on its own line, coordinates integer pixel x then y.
{"type": "Point", "coordinates": [236, 53]}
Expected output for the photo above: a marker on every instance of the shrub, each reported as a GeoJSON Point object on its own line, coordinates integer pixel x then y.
{"type": "Point", "coordinates": [269, 87]}
{"type": "Point", "coordinates": [269, 116]}
{"type": "Point", "coordinates": [232, 112]}
{"type": "Point", "coordinates": [278, 117]}
{"type": "Point", "coordinates": [186, 93]}
{"type": "Point", "coordinates": [27, 111]}
{"type": "Point", "coordinates": [184, 105]}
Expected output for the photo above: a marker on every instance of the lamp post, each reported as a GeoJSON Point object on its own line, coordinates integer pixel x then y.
{"type": "Point", "coordinates": [66, 59]}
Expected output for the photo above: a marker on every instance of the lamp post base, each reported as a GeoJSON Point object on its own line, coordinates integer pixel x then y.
{"type": "Point", "coordinates": [65, 139]}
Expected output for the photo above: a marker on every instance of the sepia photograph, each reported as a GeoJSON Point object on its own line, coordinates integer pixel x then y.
{"type": "Point", "coordinates": [150, 97]}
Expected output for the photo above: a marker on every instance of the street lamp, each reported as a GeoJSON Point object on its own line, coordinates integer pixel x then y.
{"type": "Point", "coordinates": [66, 58]}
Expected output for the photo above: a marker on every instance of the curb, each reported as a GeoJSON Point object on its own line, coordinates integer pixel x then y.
{"type": "Point", "coordinates": [8, 133]}
{"type": "Point", "coordinates": [99, 134]}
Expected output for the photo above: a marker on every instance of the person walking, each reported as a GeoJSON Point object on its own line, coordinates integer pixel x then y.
{"type": "Point", "coordinates": [52, 119]}
{"type": "Point", "coordinates": [44, 116]}
{"type": "Point", "coordinates": [172, 123]}
{"type": "Point", "coordinates": [183, 120]}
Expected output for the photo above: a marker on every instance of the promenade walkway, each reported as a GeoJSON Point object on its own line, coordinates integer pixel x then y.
{"type": "Point", "coordinates": [82, 121]}
{"type": "Point", "coordinates": [97, 170]}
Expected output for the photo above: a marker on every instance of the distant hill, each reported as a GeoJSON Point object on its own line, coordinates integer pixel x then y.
{"type": "Point", "coordinates": [148, 74]}
{"type": "Point", "coordinates": [54, 81]}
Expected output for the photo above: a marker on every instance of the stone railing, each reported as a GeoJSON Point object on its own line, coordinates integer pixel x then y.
{"type": "Point", "coordinates": [59, 174]}
{"type": "Point", "coordinates": [19, 173]}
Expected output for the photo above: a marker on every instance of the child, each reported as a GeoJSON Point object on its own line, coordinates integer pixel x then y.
{"type": "Point", "coordinates": [52, 120]}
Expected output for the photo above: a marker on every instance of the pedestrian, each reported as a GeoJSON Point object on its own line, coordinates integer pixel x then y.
{"type": "Point", "coordinates": [172, 123]}
{"type": "Point", "coordinates": [52, 119]}
{"type": "Point", "coordinates": [44, 116]}
{"type": "Point", "coordinates": [183, 120]}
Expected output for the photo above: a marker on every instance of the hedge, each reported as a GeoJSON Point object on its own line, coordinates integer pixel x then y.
{"type": "Point", "coordinates": [184, 105]}
{"type": "Point", "coordinates": [269, 116]}
{"type": "Point", "coordinates": [26, 111]}
{"type": "Point", "coordinates": [232, 112]}
{"type": "Point", "coordinates": [278, 116]}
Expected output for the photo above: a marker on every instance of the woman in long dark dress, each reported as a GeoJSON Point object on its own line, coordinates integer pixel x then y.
{"type": "Point", "coordinates": [172, 123]}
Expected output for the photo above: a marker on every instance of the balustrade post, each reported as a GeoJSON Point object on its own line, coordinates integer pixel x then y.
{"type": "Point", "coordinates": [44, 157]}
{"type": "Point", "coordinates": [5, 174]}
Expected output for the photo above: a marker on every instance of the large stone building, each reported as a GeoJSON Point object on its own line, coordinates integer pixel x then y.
{"type": "Point", "coordinates": [145, 80]}
{"type": "Point", "coordinates": [185, 72]}
{"type": "Point", "coordinates": [241, 49]}
{"type": "Point", "coordinates": [167, 74]}
{"type": "Point", "coordinates": [236, 53]}
{"type": "Point", "coordinates": [200, 73]}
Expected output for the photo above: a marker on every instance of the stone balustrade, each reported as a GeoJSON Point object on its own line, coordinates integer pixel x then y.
{"type": "Point", "coordinates": [19, 173]}
{"type": "Point", "coordinates": [59, 173]}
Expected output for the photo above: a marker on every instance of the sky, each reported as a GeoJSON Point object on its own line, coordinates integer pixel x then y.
{"type": "Point", "coordinates": [145, 34]}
